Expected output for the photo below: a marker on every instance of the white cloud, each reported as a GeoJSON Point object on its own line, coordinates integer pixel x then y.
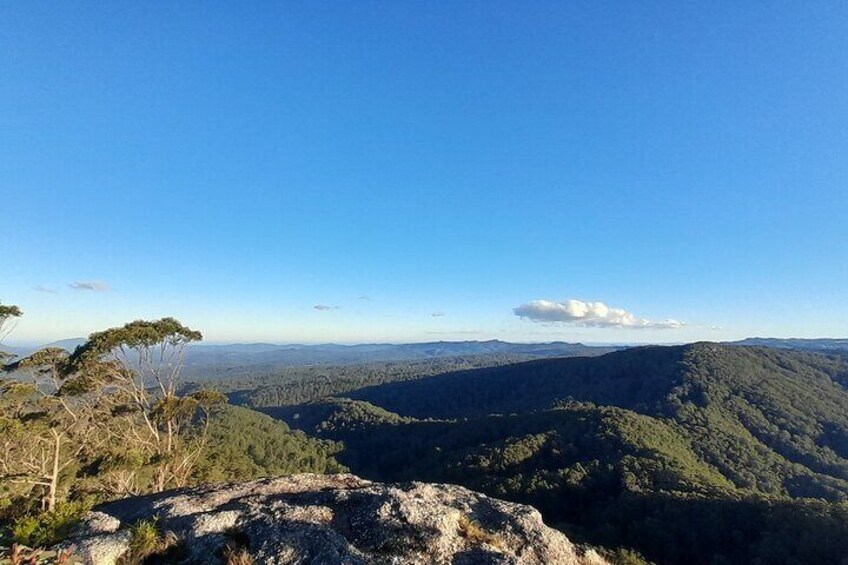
{"type": "Point", "coordinates": [588, 314]}
{"type": "Point", "coordinates": [89, 285]}
{"type": "Point", "coordinates": [42, 288]}
{"type": "Point", "coordinates": [437, 314]}
{"type": "Point", "coordinates": [324, 307]}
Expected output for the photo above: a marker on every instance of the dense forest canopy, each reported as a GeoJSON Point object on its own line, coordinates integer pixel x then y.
{"type": "Point", "coordinates": [296, 385]}
{"type": "Point", "coordinates": [692, 454]}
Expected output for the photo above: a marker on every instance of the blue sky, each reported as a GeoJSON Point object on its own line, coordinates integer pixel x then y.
{"type": "Point", "coordinates": [424, 169]}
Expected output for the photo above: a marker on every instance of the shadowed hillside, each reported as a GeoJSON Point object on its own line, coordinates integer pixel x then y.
{"type": "Point", "coordinates": [725, 447]}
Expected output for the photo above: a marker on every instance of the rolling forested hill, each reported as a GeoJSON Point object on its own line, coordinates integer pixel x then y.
{"type": "Point", "coordinates": [702, 453]}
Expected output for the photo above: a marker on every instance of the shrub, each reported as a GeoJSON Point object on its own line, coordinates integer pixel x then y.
{"type": "Point", "coordinates": [49, 528]}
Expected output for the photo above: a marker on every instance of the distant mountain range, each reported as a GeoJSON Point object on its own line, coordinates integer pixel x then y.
{"type": "Point", "coordinates": [272, 356]}
{"type": "Point", "coordinates": [23, 351]}
{"type": "Point", "coordinates": [816, 344]}
{"type": "Point", "coordinates": [296, 355]}
{"type": "Point", "coordinates": [234, 360]}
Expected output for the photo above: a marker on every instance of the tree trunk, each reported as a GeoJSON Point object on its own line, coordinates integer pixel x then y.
{"type": "Point", "coordinates": [160, 478]}
{"type": "Point", "coordinates": [54, 475]}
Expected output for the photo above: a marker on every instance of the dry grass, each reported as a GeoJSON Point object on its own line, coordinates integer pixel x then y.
{"type": "Point", "coordinates": [148, 543]}
{"type": "Point", "coordinates": [473, 532]}
{"type": "Point", "coordinates": [236, 552]}
{"type": "Point", "coordinates": [237, 556]}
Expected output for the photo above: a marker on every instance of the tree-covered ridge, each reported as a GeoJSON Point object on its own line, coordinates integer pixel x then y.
{"type": "Point", "coordinates": [693, 454]}
{"type": "Point", "coordinates": [646, 379]}
{"type": "Point", "coordinates": [335, 415]}
{"type": "Point", "coordinates": [244, 444]}
{"type": "Point", "coordinates": [638, 378]}
{"type": "Point", "coordinates": [772, 421]}
{"type": "Point", "coordinates": [493, 450]}
{"type": "Point", "coordinates": [297, 385]}
{"type": "Point", "coordinates": [606, 475]}
{"type": "Point", "coordinates": [815, 344]}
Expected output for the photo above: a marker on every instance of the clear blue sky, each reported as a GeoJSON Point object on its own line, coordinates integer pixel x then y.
{"type": "Point", "coordinates": [421, 169]}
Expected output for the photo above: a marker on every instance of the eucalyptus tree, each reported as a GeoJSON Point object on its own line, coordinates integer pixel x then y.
{"type": "Point", "coordinates": [47, 422]}
{"type": "Point", "coordinates": [9, 315]}
{"type": "Point", "coordinates": [138, 365]}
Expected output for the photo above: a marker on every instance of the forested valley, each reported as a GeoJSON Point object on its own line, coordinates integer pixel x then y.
{"type": "Point", "coordinates": [693, 454]}
{"type": "Point", "coordinates": [702, 453]}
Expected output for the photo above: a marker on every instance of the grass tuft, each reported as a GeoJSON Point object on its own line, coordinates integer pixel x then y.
{"type": "Point", "coordinates": [475, 533]}
{"type": "Point", "coordinates": [149, 543]}
{"type": "Point", "coordinates": [235, 552]}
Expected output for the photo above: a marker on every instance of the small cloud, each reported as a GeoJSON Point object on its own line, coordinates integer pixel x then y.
{"type": "Point", "coordinates": [366, 298]}
{"type": "Point", "coordinates": [716, 328]}
{"type": "Point", "coordinates": [588, 314]}
{"type": "Point", "coordinates": [94, 286]}
{"type": "Point", "coordinates": [437, 314]}
{"type": "Point", "coordinates": [324, 307]}
{"type": "Point", "coordinates": [455, 332]}
{"type": "Point", "coordinates": [41, 288]}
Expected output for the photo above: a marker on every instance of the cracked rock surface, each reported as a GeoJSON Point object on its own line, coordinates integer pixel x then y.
{"type": "Point", "coordinates": [329, 519]}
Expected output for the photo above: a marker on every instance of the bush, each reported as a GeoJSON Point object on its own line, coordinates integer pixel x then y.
{"type": "Point", "coordinates": [49, 528]}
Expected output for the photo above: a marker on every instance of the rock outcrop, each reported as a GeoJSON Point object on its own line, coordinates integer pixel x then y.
{"type": "Point", "coordinates": [328, 519]}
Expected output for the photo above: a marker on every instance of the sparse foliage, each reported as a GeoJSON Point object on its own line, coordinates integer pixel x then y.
{"type": "Point", "coordinates": [9, 315]}
{"type": "Point", "coordinates": [140, 364]}
{"type": "Point", "coordinates": [46, 425]}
